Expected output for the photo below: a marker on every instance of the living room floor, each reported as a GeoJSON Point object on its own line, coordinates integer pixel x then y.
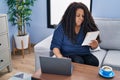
{"type": "Point", "coordinates": [20, 64]}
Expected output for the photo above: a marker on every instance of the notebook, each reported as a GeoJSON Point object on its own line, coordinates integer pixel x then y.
{"type": "Point", "coordinates": [60, 66]}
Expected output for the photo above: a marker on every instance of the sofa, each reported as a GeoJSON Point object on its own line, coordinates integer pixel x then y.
{"type": "Point", "coordinates": [109, 53]}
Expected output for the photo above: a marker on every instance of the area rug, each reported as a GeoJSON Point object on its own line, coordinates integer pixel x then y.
{"type": "Point", "coordinates": [21, 76]}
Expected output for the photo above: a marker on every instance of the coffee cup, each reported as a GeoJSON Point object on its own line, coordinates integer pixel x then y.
{"type": "Point", "coordinates": [106, 70]}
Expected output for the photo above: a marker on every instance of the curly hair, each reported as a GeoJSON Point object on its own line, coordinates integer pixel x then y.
{"type": "Point", "coordinates": [68, 21]}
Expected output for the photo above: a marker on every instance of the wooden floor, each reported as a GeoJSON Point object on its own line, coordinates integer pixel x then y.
{"type": "Point", "coordinates": [20, 64]}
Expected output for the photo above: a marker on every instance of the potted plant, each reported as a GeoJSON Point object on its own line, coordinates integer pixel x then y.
{"type": "Point", "coordinates": [19, 15]}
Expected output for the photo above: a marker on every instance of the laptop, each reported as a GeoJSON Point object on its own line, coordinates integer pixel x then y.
{"type": "Point", "coordinates": [60, 66]}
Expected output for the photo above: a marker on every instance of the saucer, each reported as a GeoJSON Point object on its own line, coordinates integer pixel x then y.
{"type": "Point", "coordinates": [111, 75]}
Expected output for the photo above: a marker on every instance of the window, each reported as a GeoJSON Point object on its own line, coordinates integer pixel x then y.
{"type": "Point", "coordinates": [56, 8]}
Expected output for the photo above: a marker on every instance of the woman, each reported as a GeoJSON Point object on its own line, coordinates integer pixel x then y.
{"type": "Point", "coordinates": [70, 33]}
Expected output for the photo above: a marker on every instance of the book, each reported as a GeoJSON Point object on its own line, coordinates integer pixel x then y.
{"type": "Point", "coordinates": [89, 37]}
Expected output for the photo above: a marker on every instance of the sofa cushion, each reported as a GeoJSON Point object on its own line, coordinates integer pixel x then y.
{"type": "Point", "coordinates": [112, 59]}
{"type": "Point", "coordinates": [109, 33]}
{"type": "Point", "coordinates": [100, 55]}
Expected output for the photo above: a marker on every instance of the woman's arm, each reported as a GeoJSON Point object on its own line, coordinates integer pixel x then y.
{"type": "Point", "coordinates": [57, 41]}
{"type": "Point", "coordinates": [57, 52]}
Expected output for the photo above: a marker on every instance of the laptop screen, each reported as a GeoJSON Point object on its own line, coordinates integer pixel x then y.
{"type": "Point", "coordinates": [62, 66]}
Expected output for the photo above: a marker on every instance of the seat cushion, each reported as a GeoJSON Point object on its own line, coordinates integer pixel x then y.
{"type": "Point", "coordinates": [100, 55]}
{"type": "Point", "coordinates": [112, 59]}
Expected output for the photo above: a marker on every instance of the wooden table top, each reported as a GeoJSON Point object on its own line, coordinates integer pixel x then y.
{"type": "Point", "coordinates": [80, 72]}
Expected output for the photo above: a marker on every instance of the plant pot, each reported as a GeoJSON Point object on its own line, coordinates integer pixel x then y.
{"type": "Point", "coordinates": [19, 40]}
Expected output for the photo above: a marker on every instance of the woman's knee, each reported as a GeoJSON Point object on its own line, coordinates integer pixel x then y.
{"type": "Point", "coordinates": [77, 59]}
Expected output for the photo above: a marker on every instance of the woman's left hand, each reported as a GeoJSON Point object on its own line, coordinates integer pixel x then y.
{"type": "Point", "coordinates": [94, 44]}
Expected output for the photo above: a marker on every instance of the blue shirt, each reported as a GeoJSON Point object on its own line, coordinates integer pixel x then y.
{"type": "Point", "coordinates": [61, 41]}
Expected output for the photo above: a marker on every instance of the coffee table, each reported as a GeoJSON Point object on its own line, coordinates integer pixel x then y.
{"type": "Point", "coordinates": [80, 72]}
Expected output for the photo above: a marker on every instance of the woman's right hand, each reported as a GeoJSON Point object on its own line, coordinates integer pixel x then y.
{"type": "Point", "coordinates": [57, 53]}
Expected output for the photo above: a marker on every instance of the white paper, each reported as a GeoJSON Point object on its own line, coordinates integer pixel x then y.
{"type": "Point", "coordinates": [90, 36]}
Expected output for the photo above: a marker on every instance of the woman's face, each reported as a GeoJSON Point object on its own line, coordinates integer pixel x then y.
{"type": "Point", "coordinates": [79, 17]}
